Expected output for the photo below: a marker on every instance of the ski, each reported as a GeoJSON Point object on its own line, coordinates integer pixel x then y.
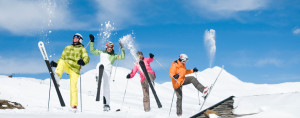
{"type": "Point", "coordinates": [211, 87]}
{"type": "Point", "coordinates": [142, 64]}
{"type": "Point", "coordinates": [45, 56]}
{"type": "Point", "coordinates": [101, 69]}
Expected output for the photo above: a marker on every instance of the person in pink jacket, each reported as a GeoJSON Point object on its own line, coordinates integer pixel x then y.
{"type": "Point", "coordinates": [144, 82]}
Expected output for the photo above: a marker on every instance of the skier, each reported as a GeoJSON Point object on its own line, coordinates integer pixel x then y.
{"type": "Point", "coordinates": [144, 82]}
{"type": "Point", "coordinates": [72, 58]}
{"type": "Point", "coordinates": [177, 74]}
{"type": "Point", "coordinates": [107, 59]}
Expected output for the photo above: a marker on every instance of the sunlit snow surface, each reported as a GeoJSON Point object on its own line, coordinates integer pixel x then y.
{"type": "Point", "coordinates": [265, 100]}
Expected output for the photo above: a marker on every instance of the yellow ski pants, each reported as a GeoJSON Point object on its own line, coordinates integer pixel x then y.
{"type": "Point", "coordinates": [61, 67]}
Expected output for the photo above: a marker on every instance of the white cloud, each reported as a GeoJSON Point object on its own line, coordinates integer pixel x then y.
{"type": "Point", "coordinates": [22, 65]}
{"type": "Point", "coordinates": [224, 8]}
{"type": "Point", "coordinates": [271, 61]}
{"type": "Point", "coordinates": [31, 16]}
{"type": "Point", "coordinates": [296, 31]}
{"type": "Point", "coordinates": [119, 12]}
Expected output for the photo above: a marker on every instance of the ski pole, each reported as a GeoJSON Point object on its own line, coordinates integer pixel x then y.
{"type": "Point", "coordinates": [161, 65]}
{"type": "Point", "coordinates": [123, 96]}
{"type": "Point", "coordinates": [49, 94]}
{"type": "Point", "coordinates": [198, 91]}
{"type": "Point", "coordinates": [173, 96]}
{"type": "Point", "coordinates": [125, 92]}
{"type": "Point", "coordinates": [80, 95]}
{"type": "Point", "coordinates": [171, 103]}
{"type": "Point", "coordinates": [87, 44]}
{"type": "Point", "coordinates": [116, 65]}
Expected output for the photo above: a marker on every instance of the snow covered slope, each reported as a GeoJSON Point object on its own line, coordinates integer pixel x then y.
{"type": "Point", "coordinates": [33, 95]}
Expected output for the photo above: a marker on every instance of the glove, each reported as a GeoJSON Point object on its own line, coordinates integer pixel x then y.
{"type": "Point", "coordinates": [80, 62]}
{"type": "Point", "coordinates": [121, 45]}
{"type": "Point", "coordinates": [195, 69]}
{"type": "Point", "coordinates": [92, 38]}
{"type": "Point", "coordinates": [176, 76]}
{"type": "Point", "coordinates": [53, 64]}
{"type": "Point", "coordinates": [151, 55]}
{"type": "Point", "coordinates": [128, 76]}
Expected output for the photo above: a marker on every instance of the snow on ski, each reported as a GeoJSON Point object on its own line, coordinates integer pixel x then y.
{"type": "Point", "coordinates": [44, 53]}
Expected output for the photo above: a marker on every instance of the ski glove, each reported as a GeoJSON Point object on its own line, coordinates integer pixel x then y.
{"type": "Point", "coordinates": [80, 62]}
{"type": "Point", "coordinates": [151, 55]}
{"type": "Point", "coordinates": [128, 76]}
{"type": "Point", "coordinates": [121, 45]}
{"type": "Point", "coordinates": [53, 64]}
{"type": "Point", "coordinates": [176, 76]}
{"type": "Point", "coordinates": [195, 69]}
{"type": "Point", "coordinates": [92, 38]}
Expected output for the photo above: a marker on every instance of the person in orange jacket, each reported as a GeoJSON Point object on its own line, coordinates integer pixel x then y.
{"type": "Point", "coordinates": [177, 74]}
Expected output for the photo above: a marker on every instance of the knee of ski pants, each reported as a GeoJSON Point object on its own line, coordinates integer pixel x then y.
{"type": "Point", "coordinates": [61, 67]}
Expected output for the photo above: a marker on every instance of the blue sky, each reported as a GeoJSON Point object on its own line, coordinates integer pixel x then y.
{"type": "Point", "coordinates": [257, 40]}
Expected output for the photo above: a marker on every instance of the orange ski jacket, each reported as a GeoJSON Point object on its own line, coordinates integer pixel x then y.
{"type": "Point", "coordinates": [178, 68]}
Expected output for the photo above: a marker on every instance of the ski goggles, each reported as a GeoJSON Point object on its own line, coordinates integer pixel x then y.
{"type": "Point", "coordinates": [110, 47]}
{"type": "Point", "coordinates": [140, 56]}
{"type": "Point", "coordinates": [185, 60]}
{"type": "Point", "coordinates": [77, 36]}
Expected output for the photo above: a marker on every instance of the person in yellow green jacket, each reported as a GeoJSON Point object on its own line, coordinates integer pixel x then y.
{"type": "Point", "coordinates": [72, 58]}
{"type": "Point", "coordinates": [177, 74]}
{"type": "Point", "coordinates": [107, 59]}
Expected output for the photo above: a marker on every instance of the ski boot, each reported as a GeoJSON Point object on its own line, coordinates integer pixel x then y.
{"type": "Point", "coordinates": [205, 92]}
{"type": "Point", "coordinates": [74, 109]}
{"type": "Point", "coordinates": [106, 108]}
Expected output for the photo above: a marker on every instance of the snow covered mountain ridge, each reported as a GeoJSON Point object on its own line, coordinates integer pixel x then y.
{"type": "Point", "coordinates": [33, 95]}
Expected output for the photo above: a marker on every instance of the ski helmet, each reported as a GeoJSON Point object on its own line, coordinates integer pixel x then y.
{"type": "Point", "coordinates": [183, 57]}
{"type": "Point", "coordinates": [109, 44]}
{"type": "Point", "coordinates": [140, 54]}
{"type": "Point", "coordinates": [79, 36]}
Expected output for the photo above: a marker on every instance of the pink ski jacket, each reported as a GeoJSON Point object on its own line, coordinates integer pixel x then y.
{"type": "Point", "coordinates": [136, 68]}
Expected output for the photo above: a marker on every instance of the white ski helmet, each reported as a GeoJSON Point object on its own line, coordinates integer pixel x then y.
{"type": "Point", "coordinates": [79, 36]}
{"type": "Point", "coordinates": [183, 57]}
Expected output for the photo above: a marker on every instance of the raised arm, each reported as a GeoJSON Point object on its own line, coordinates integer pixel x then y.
{"type": "Point", "coordinates": [93, 50]}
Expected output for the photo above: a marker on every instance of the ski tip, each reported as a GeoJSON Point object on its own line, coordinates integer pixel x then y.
{"type": "Point", "coordinates": [40, 43]}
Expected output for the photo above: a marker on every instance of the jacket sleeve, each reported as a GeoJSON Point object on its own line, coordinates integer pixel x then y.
{"type": "Point", "coordinates": [93, 50]}
{"type": "Point", "coordinates": [85, 57]}
{"type": "Point", "coordinates": [172, 70]}
{"type": "Point", "coordinates": [122, 55]}
{"type": "Point", "coordinates": [189, 71]}
{"type": "Point", "coordinates": [149, 60]}
{"type": "Point", "coordinates": [134, 70]}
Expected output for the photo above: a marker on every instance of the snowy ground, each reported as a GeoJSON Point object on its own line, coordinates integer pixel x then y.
{"type": "Point", "coordinates": [266, 101]}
